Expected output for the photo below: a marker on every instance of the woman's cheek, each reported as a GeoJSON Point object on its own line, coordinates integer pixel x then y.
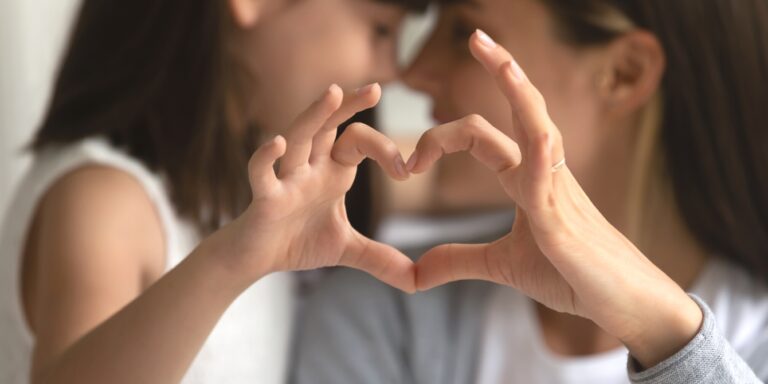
{"type": "Point", "coordinates": [475, 92]}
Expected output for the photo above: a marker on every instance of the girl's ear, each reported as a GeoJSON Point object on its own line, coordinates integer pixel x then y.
{"type": "Point", "coordinates": [634, 71]}
{"type": "Point", "coordinates": [245, 13]}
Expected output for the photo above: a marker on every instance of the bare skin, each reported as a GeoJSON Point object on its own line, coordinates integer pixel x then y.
{"type": "Point", "coordinates": [596, 97]}
{"type": "Point", "coordinates": [95, 253]}
{"type": "Point", "coordinates": [561, 252]}
{"type": "Point", "coordinates": [94, 327]}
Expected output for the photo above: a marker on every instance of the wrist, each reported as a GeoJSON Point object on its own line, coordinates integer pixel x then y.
{"type": "Point", "coordinates": [669, 327]}
{"type": "Point", "coordinates": [225, 259]}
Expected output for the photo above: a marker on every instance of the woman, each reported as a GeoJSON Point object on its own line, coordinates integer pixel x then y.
{"type": "Point", "coordinates": [144, 151]}
{"type": "Point", "coordinates": [656, 108]}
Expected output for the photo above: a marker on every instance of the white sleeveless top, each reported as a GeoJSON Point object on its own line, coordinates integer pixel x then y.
{"type": "Point", "coordinates": [250, 343]}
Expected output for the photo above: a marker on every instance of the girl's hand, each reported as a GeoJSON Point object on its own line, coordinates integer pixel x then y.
{"type": "Point", "coordinates": [297, 219]}
{"type": "Point", "coordinates": [561, 251]}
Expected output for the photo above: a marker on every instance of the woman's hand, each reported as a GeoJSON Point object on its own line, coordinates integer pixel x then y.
{"type": "Point", "coordinates": [297, 219]}
{"type": "Point", "coordinates": [561, 251]}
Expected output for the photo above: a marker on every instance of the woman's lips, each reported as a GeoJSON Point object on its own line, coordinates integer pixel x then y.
{"type": "Point", "coordinates": [439, 117]}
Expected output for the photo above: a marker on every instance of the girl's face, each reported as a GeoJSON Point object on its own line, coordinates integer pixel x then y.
{"type": "Point", "coordinates": [566, 77]}
{"type": "Point", "coordinates": [298, 48]}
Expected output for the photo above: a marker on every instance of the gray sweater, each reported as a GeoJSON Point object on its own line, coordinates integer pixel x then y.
{"type": "Point", "coordinates": [356, 330]}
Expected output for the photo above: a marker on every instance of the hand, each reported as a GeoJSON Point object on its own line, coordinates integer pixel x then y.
{"type": "Point", "coordinates": [561, 251]}
{"type": "Point", "coordinates": [297, 219]}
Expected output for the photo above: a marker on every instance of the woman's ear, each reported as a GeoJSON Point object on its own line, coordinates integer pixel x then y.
{"type": "Point", "coordinates": [245, 13]}
{"type": "Point", "coordinates": [633, 72]}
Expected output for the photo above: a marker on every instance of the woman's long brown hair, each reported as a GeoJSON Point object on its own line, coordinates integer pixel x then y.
{"type": "Point", "coordinates": [714, 125]}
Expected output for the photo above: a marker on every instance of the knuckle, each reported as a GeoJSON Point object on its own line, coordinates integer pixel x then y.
{"type": "Point", "coordinates": [356, 128]}
{"type": "Point", "coordinates": [541, 139]}
{"type": "Point", "coordinates": [390, 148]}
{"type": "Point", "coordinates": [475, 122]}
{"type": "Point", "coordinates": [428, 137]}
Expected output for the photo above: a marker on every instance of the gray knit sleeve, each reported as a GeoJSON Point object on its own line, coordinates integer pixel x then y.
{"type": "Point", "coordinates": [708, 358]}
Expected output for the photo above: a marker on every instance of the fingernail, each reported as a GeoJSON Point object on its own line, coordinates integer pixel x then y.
{"type": "Point", "coordinates": [331, 89]}
{"type": "Point", "coordinates": [517, 72]}
{"type": "Point", "coordinates": [485, 39]}
{"type": "Point", "coordinates": [400, 166]}
{"type": "Point", "coordinates": [412, 162]}
{"type": "Point", "coordinates": [364, 90]}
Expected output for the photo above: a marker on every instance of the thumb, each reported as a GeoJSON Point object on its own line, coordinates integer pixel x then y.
{"type": "Point", "coordinates": [452, 262]}
{"type": "Point", "coordinates": [381, 261]}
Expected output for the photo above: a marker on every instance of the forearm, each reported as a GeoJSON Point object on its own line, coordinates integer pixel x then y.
{"type": "Point", "coordinates": [155, 338]}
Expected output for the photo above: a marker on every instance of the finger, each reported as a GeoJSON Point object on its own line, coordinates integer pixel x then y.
{"type": "Point", "coordinates": [304, 128]}
{"type": "Point", "coordinates": [261, 166]}
{"type": "Point", "coordinates": [472, 134]}
{"type": "Point", "coordinates": [453, 262]}
{"type": "Point", "coordinates": [354, 102]}
{"type": "Point", "coordinates": [360, 141]}
{"type": "Point", "coordinates": [527, 103]}
{"type": "Point", "coordinates": [382, 262]}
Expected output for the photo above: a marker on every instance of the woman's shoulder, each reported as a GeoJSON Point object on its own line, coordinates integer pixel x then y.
{"type": "Point", "coordinates": [726, 281]}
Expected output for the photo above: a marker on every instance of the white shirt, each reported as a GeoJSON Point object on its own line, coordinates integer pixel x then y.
{"type": "Point", "coordinates": [513, 349]}
{"type": "Point", "coordinates": [249, 344]}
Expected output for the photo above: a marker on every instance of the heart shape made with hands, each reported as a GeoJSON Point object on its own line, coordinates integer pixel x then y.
{"type": "Point", "coordinates": [560, 251]}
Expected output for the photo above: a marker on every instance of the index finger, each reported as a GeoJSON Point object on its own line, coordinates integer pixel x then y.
{"type": "Point", "coordinates": [528, 105]}
{"type": "Point", "coordinates": [472, 134]}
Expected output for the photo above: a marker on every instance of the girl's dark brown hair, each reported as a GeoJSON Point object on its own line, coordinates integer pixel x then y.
{"type": "Point", "coordinates": [151, 77]}
{"type": "Point", "coordinates": [714, 133]}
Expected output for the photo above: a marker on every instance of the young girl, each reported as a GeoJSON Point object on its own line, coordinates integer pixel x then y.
{"type": "Point", "coordinates": [657, 109]}
{"type": "Point", "coordinates": [145, 150]}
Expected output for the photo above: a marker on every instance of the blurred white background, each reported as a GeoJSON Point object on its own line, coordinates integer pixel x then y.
{"type": "Point", "coordinates": [32, 36]}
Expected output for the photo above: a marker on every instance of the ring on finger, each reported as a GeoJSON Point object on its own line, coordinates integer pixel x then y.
{"type": "Point", "coordinates": [558, 166]}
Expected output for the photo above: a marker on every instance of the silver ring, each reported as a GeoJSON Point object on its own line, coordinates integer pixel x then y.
{"type": "Point", "coordinates": [560, 164]}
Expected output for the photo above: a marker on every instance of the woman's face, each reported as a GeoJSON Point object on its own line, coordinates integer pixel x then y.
{"type": "Point", "coordinates": [298, 48]}
{"type": "Point", "coordinates": [567, 77]}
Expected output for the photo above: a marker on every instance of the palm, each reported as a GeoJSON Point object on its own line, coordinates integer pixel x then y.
{"type": "Point", "coordinates": [297, 217]}
{"type": "Point", "coordinates": [319, 231]}
{"type": "Point", "coordinates": [517, 261]}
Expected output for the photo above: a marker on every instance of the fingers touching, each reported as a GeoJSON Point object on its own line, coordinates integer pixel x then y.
{"type": "Point", "coordinates": [472, 134]}
{"type": "Point", "coordinates": [382, 262]}
{"type": "Point", "coordinates": [312, 134]}
{"type": "Point", "coordinates": [354, 102]}
{"type": "Point", "coordinates": [360, 141]}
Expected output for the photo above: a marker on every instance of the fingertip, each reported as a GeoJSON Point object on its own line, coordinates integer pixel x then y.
{"type": "Point", "coordinates": [371, 95]}
{"type": "Point", "coordinates": [336, 95]}
{"type": "Point", "coordinates": [482, 47]}
{"type": "Point", "coordinates": [412, 162]}
{"type": "Point", "coordinates": [401, 168]}
{"type": "Point", "coordinates": [334, 89]}
{"type": "Point", "coordinates": [483, 39]}
{"type": "Point", "coordinates": [368, 89]}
